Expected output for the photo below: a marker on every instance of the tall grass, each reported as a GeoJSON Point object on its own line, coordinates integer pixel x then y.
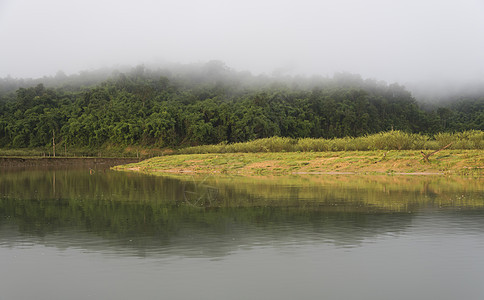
{"type": "Point", "coordinates": [391, 140]}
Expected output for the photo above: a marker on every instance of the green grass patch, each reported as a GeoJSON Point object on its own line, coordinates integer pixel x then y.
{"type": "Point", "coordinates": [396, 161]}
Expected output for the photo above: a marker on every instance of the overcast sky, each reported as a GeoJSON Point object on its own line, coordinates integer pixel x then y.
{"type": "Point", "coordinates": [391, 40]}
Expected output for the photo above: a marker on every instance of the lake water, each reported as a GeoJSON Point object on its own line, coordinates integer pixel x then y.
{"type": "Point", "coordinates": [75, 233]}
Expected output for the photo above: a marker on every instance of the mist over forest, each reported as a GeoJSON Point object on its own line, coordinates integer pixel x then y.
{"type": "Point", "coordinates": [208, 103]}
{"type": "Point", "coordinates": [428, 92]}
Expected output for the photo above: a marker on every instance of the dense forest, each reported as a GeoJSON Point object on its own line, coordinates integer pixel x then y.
{"type": "Point", "coordinates": [209, 104]}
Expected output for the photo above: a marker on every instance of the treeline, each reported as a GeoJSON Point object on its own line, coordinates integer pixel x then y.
{"type": "Point", "coordinates": [213, 104]}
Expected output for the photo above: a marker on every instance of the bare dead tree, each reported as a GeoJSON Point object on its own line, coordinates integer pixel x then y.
{"type": "Point", "coordinates": [426, 156]}
{"type": "Point", "coordinates": [384, 156]}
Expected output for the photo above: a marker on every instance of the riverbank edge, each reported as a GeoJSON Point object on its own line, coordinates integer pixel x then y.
{"type": "Point", "coordinates": [63, 161]}
{"type": "Point", "coordinates": [396, 162]}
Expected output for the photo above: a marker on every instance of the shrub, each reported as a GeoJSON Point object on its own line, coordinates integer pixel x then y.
{"type": "Point", "coordinates": [391, 140]}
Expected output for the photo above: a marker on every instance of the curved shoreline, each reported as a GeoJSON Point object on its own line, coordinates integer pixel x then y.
{"type": "Point", "coordinates": [397, 162]}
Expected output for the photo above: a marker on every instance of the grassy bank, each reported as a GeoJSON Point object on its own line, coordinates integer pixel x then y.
{"type": "Point", "coordinates": [464, 162]}
{"type": "Point", "coordinates": [392, 140]}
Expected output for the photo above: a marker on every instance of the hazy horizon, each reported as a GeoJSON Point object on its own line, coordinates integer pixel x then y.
{"type": "Point", "coordinates": [397, 41]}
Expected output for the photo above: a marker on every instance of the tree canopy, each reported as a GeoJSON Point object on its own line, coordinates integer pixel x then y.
{"type": "Point", "coordinates": [212, 104]}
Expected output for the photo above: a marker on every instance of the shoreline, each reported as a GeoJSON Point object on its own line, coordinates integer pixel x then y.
{"type": "Point", "coordinates": [19, 162]}
{"type": "Point", "coordinates": [396, 162]}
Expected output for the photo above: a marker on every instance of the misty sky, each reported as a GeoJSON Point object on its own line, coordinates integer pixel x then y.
{"type": "Point", "coordinates": [399, 40]}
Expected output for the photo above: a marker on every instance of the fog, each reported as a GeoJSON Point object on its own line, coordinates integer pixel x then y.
{"type": "Point", "coordinates": [405, 41]}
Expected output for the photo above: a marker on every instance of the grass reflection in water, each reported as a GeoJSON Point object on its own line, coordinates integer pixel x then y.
{"type": "Point", "coordinates": [190, 215]}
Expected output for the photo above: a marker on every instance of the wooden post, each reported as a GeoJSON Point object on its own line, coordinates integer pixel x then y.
{"type": "Point", "coordinates": [53, 142]}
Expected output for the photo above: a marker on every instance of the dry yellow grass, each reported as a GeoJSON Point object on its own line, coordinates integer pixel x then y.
{"type": "Point", "coordinates": [462, 162]}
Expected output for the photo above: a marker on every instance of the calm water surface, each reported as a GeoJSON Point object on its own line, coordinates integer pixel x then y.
{"type": "Point", "coordinates": [76, 234]}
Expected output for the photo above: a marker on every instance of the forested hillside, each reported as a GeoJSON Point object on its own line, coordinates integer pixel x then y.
{"type": "Point", "coordinates": [212, 104]}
